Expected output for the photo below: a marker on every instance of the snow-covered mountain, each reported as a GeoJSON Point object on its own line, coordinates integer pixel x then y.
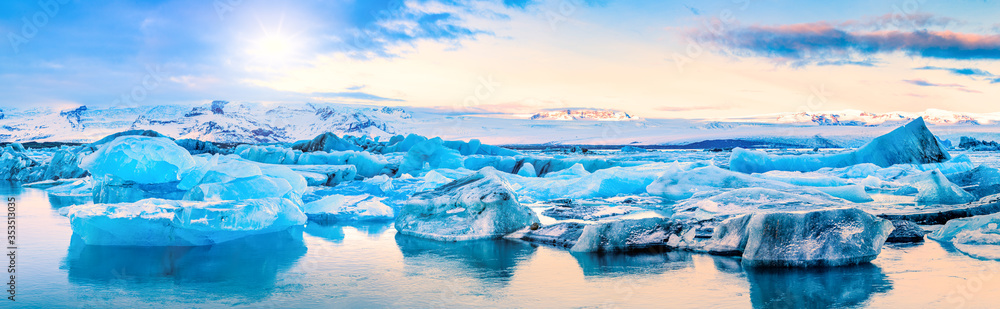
{"type": "Point", "coordinates": [225, 122]}
{"type": "Point", "coordinates": [862, 118]}
{"type": "Point", "coordinates": [583, 114]}
{"type": "Point", "coordinates": [217, 122]}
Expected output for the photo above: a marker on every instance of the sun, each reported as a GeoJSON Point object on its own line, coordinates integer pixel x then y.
{"type": "Point", "coordinates": [273, 47]}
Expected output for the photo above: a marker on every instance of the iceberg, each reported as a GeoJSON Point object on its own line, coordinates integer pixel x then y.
{"type": "Point", "coordinates": [367, 164]}
{"type": "Point", "coordinates": [140, 159]}
{"type": "Point", "coordinates": [649, 234]}
{"type": "Point", "coordinates": [325, 142]}
{"type": "Point", "coordinates": [912, 143]}
{"type": "Point", "coordinates": [255, 187]}
{"type": "Point", "coordinates": [158, 222]}
{"type": "Point", "coordinates": [480, 206]}
{"type": "Point", "coordinates": [934, 188]}
{"type": "Point", "coordinates": [977, 236]}
{"type": "Point", "coordinates": [830, 237]}
{"type": "Point", "coordinates": [431, 153]}
{"type": "Point", "coordinates": [981, 181]}
{"type": "Point", "coordinates": [906, 231]}
{"type": "Point", "coordinates": [336, 208]}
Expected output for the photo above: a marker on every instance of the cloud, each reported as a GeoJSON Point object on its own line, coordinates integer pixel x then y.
{"type": "Point", "coordinates": [694, 11]}
{"type": "Point", "coordinates": [357, 96]}
{"type": "Point", "coordinates": [924, 83]}
{"type": "Point", "coordinates": [811, 43]}
{"type": "Point", "coordinates": [960, 71]}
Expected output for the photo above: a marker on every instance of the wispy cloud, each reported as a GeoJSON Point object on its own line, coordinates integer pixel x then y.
{"type": "Point", "coordinates": [825, 42]}
{"type": "Point", "coordinates": [924, 83]}
{"type": "Point", "coordinates": [960, 71]}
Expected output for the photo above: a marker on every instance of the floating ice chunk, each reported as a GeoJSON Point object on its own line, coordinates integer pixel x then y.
{"type": "Point", "coordinates": [337, 207]}
{"type": "Point", "coordinates": [367, 164]}
{"type": "Point", "coordinates": [199, 147]}
{"type": "Point", "coordinates": [977, 236]}
{"type": "Point", "coordinates": [830, 237]}
{"type": "Point", "coordinates": [65, 163]}
{"type": "Point", "coordinates": [678, 183]}
{"type": "Point", "coordinates": [933, 188]}
{"type": "Point", "coordinates": [527, 170]}
{"type": "Point", "coordinates": [853, 193]}
{"type": "Point", "coordinates": [325, 142]}
{"type": "Point", "coordinates": [906, 231]}
{"type": "Point", "coordinates": [433, 153]}
{"type": "Point", "coordinates": [609, 182]}
{"type": "Point", "coordinates": [479, 206]}
{"type": "Point", "coordinates": [81, 187]}
{"type": "Point", "coordinates": [912, 143]}
{"type": "Point", "coordinates": [140, 159]}
{"type": "Point", "coordinates": [383, 182]}
{"type": "Point", "coordinates": [632, 149]}
{"type": "Point", "coordinates": [981, 181]}
{"type": "Point", "coordinates": [17, 166]}
{"type": "Point", "coordinates": [157, 222]}
{"type": "Point", "coordinates": [475, 147]}
{"type": "Point", "coordinates": [651, 234]}
{"type": "Point", "coordinates": [268, 154]}
{"type": "Point", "coordinates": [573, 171]}
{"type": "Point", "coordinates": [625, 235]}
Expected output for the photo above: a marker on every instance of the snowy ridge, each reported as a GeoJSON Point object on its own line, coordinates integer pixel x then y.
{"type": "Point", "coordinates": [219, 121]}
{"type": "Point", "coordinates": [598, 115]}
{"type": "Point", "coordinates": [862, 118]}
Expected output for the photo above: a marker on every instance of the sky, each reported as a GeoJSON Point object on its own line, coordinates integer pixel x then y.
{"type": "Point", "coordinates": [654, 59]}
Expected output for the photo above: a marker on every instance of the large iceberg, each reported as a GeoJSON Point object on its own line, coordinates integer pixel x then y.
{"type": "Point", "coordinates": [977, 236]}
{"type": "Point", "coordinates": [325, 142]}
{"type": "Point", "coordinates": [830, 237]}
{"type": "Point", "coordinates": [479, 206]}
{"type": "Point", "coordinates": [912, 143]}
{"type": "Point", "coordinates": [140, 159]}
{"type": "Point", "coordinates": [158, 222]}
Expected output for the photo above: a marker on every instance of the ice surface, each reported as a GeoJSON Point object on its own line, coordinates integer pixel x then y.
{"type": "Point", "coordinates": [749, 200]}
{"type": "Point", "coordinates": [199, 147]}
{"type": "Point", "coordinates": [912, 143]}
{"type": "Point", "coordinates": [830, 237]}
{"type": "Point", "coordinates": [254, 187]}
{"type": "Point", "coordinates": [140, 159]}
{"type": "Point", "coordinates": [335, 208]}
{"type": "Point", "coordinates": [479, 206]}
{"type": "Point", "coordinates": [977, 236]}
{"type": "Point", "coordinates": [157, 222]}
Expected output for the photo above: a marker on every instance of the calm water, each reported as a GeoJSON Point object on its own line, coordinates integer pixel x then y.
{"type": "Point", "coordinates": [370, 266]}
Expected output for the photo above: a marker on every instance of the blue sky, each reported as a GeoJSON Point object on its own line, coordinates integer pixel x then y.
{"type": "Point", "coordinates": [652, 58]}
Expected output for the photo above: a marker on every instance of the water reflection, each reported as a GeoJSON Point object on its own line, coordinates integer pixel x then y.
{"type": "Point", "coordinates": [242, 268]}
{"type": "Point", "coordinates": [335, 232]}
{"type": "Point", "coordinates": [826, 287]}
{"type": "Point", "coordinates": [495, 260]}
{"type": "Point", "coordinates": [614, 264]}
